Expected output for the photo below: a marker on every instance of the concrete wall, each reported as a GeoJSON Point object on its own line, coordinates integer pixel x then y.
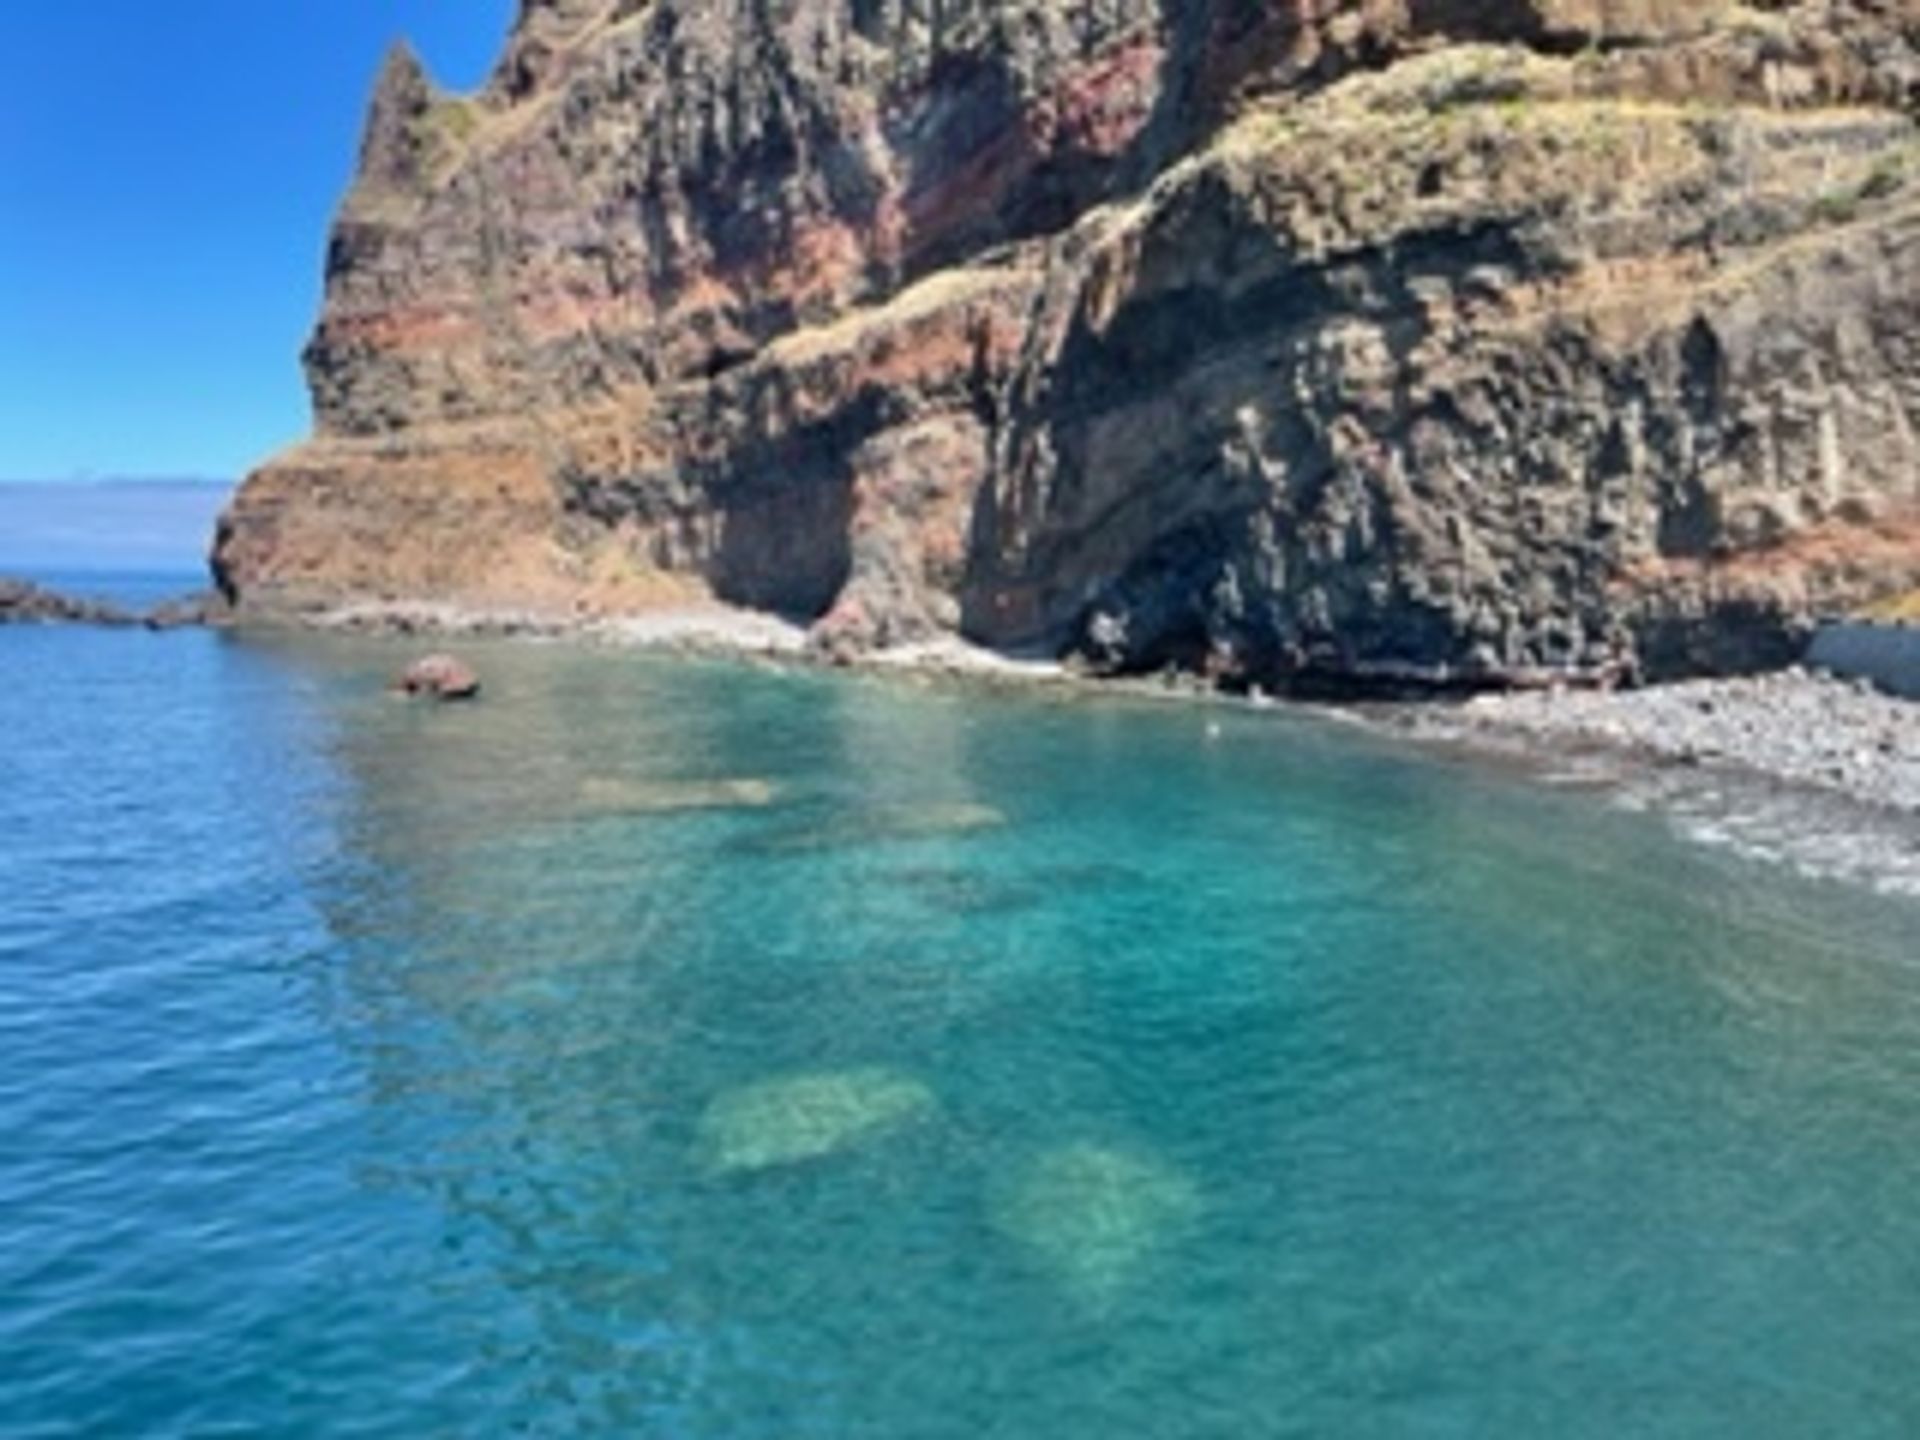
{"type": "Point", "coordinates": [1887, 655]}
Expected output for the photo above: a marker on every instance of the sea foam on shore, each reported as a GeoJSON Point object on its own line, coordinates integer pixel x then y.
{"type": "Point", "coordinates": [1795, 767]}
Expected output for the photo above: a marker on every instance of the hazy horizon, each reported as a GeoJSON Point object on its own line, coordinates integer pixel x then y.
{"type": "Point", "coordinates": [108, 524]}
{"type": "Point", "coordinates": [150, 481]}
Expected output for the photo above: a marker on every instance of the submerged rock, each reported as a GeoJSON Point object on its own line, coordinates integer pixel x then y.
{"type": "Point", "coordinates": [893, 823]}
{"type": "Point", "coordinates": [803, 1117]}
{"type": "Point", "coordinates": [1092, 1214]}
{"type": "Point", "coordinates": [956, 818]}
{"type": "Point", "coordinates": [971, 892]}
{"type": "Point", "coordinates": [439, 677]}
{"type": "Point", "coordinates": [614, 795]}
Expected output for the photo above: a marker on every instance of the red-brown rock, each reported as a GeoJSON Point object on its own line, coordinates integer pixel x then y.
{"type": "Point", "coordinates": [1385, 341]}
{"type": "Point", "coordinates": [439, 677]}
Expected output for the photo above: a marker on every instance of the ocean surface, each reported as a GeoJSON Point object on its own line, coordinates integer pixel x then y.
{"type": "Point", "coordinates": [677, 1049]}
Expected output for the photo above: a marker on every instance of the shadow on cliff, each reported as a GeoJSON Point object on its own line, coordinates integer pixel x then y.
{"type": "Point", "coordinates": [786, 506]}
{"type": "Point", "coordinates": [1176, 470]}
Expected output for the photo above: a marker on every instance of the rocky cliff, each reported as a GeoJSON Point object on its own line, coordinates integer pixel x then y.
{"type": "Point", "coordinates": [1296, 341]}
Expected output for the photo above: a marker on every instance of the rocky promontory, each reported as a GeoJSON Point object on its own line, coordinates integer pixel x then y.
{"type": "Point", "coordinates": [1301, 343]}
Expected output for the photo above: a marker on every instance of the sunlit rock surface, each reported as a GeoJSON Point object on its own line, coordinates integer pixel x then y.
{"type": "Point", "coordinates": [1364, 343]}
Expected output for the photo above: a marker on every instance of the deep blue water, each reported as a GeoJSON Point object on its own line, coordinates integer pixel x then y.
{"type": "Point", "coordinates": [967, 1066]}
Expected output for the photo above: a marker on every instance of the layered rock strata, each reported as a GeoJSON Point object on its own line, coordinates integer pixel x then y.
{"type": "Point", "coordinates": [1300, 342]}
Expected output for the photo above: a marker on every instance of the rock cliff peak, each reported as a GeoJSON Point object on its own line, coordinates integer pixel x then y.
{"type": "Point", "coordinates": [395, 146]}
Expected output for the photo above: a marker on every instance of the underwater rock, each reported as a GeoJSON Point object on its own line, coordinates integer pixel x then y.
{"type": "Point", "coordinates": [963, 891]}
{"type": "Point", "coordinates": [440, 677]}
{"type": "Point", "coordinates": [969, 892]}
{"type": "Point", "coordinates": [957, 818]}
{"type": "Point", "coordinates": [888, 824]}
{"type": "Point", "coordinates": [1092, 1214]}
{"type": "Point", "coordinates": [802, 1117]}
{"type": "Point", "coordinates": [614, 795]}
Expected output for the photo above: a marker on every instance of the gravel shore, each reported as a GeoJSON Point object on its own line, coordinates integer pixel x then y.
{"type": "Point", "coordinates": [1795, 727]}
{"type": "Point", "coordinates": [1800, 769]}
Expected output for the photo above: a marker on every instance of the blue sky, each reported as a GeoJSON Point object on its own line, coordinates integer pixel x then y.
{"type": "Point", "coordinates": [167, 172]}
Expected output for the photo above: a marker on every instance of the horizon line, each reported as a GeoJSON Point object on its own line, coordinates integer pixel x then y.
{"type": "Point", "coordinates": [105, 480]}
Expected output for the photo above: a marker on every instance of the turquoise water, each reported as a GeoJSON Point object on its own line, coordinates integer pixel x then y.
{"type": "Point", "coordinates": [960, 1066]}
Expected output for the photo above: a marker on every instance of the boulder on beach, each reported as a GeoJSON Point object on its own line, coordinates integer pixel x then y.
{"type": "Point", "coordinates": [792, 1118]}
{"type": "Point", "coordinates": [616, 795]}
{"type": "Point", "coordinates": [439, 677]}
{"type": "Point", "coordinates": [1092, 1214]}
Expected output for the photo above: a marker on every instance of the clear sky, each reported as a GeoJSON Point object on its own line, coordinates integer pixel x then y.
{"type": "Point", "coordinates": [167, 172]}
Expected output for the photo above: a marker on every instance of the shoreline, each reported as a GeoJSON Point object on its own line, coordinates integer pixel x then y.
{"type": "Point", "coordinates": [1800, 728]}
{"type": "Point", "coordinates": [703, 629]}
{"type": "Point", "coordinates": [1792, 766]}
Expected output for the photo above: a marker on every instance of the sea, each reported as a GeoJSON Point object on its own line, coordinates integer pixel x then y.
{"type": "Point", "coordinates": [662, 1047]}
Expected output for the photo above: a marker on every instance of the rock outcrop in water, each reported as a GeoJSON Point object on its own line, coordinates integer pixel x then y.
{"type": "Point", "coordinates": [24, 603]}
{"type": "Point", "coordinates": [439, 677]}
{"type": "Point", "coordinates": [1296, 341]}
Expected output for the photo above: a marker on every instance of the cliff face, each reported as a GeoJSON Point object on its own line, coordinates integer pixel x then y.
{"type": "Point", "coordinates": [1296, 340]}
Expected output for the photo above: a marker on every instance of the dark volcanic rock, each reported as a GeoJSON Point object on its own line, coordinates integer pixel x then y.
{"type": "Point", "coordinates": [1363, 343]}
{"type": "Point", "coordinates": [22, 602]}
